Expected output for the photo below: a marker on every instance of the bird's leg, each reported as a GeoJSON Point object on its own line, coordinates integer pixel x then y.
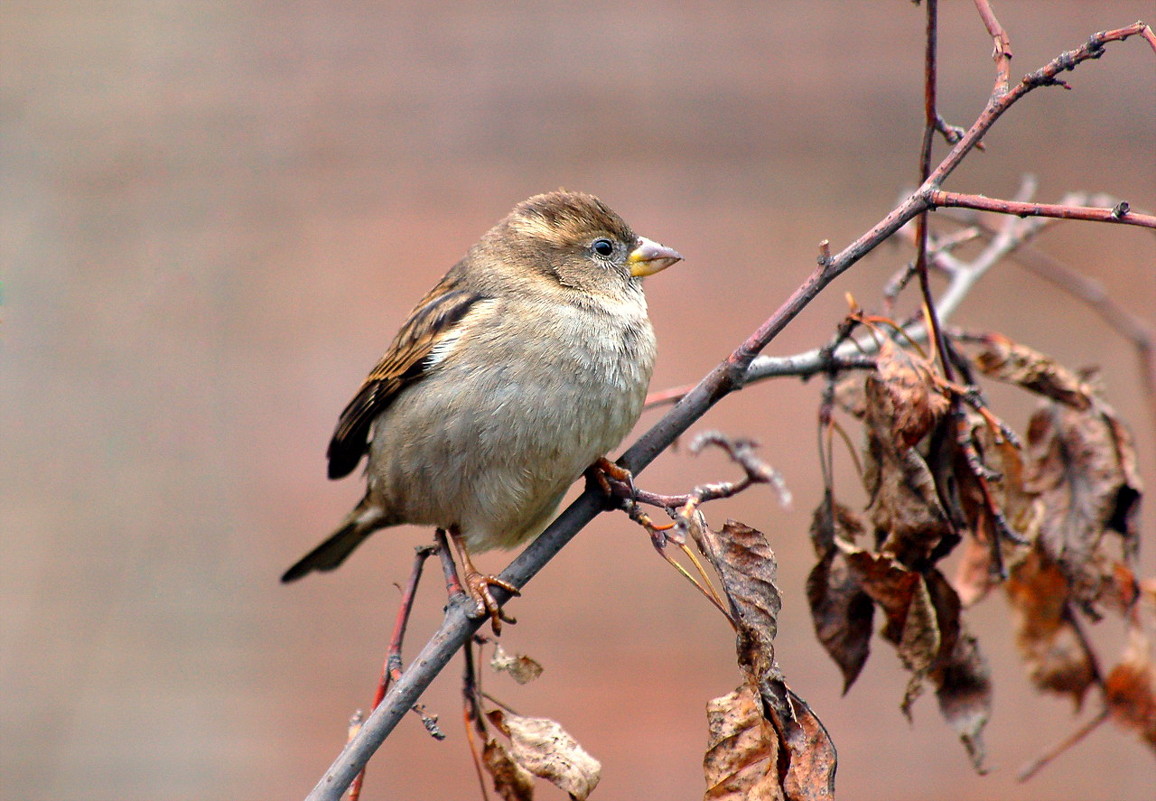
{"type": "Point", "coordinates": [603, 472]}
{"type": "Point", "coordinates": [477, 586]}
{"type": "Point", "coordinates": [449, 570]}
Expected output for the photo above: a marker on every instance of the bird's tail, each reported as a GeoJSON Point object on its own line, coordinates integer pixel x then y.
{"type": "Point", "coordinates": [365, 519]}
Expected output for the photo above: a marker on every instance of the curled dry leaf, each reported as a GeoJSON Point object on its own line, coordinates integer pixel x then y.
{"type": "Point", "coordinates": [1018, 364]}
{"type": "Point", "coordinates": [1055, 654]}
{"type": "Point", "coordinates": [521, 668]}
{"type": "Point", "coordinates": [542, 747]}
{"type": "Point", "coordinates": [842, 614]}
{"type": "Point", "coordinates": [902, 392]}
{"type": "Point", "coordinates": [1130, 689]}
{"type": "Point", "coordinates": [902, 594]}
{"type": "Point", "coordinates": [511, 781]}
{"type": "Point", "coordinates": [904, 500]}
{"type": "Point", "coordinates": [1083, 465]}
{"type": "Point", "coordinates": [763, 721]}
{"type": "Point", "coordinates": [963, 689]}
{"type": "Point", "coordinates": [1022, 511]}
{"type": "Point", "coordinates": [746, 566]}
{"type": "Point", "coordinates": [811, 772]}
{"type": "Point", "coordinates": [841, 611]}
{"type": "Point", "coordinates": [742, 756]}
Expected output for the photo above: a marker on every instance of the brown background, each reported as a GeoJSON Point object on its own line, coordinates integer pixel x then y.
{"type": "Point", "coordinates": [216, 214]}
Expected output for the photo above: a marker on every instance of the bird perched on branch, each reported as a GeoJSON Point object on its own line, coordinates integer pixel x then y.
{"type": "Point", "coordinates": [523, 367]}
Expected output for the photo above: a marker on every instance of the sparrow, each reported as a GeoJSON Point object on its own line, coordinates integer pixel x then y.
{"type": "Point", "coordinates": [518, 371]}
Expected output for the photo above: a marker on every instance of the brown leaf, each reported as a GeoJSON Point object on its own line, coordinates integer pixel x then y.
{"type": "Point", "coordinates": [904, 507]}
{"type": "Point", "coordinates": [833, 521]}
{"type": "Point", "coordinates": [1018, 364]}
{"type": "Point", "coordinates": [963, 689]}
{"type": "Point", "coordinates": [542, 747]}
{"type": "Point", "coordinates": [511, 781]}
{"type": "Point", "coordinates": [785, 734]}
{"type": "Point", "coordinates": [842, 614]}
{"type": "Point", "coordinates": [1083, 465]}
{"type": "Point", "coordinates": [746, 566]}
{"type": "Point", "coordinates": [811, 772]}
{"type": "Point", "coordinates": [1056, 656]}
{"type": "Point", "coordinates": [1130, 689]}
{"type": "Point", "coordinates": [521, 668]}
{"type": "Point", "coordinates": [911, 621]}
{"type": "Point", "coordinates": [1021, 510]}
{"type": "Point", "coordinates": [902, 392]}
{"type": "Point", "coordinates": [741, 762]}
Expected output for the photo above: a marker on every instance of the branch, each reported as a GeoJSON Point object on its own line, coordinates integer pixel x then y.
{"type": "Point", "coordinates": [1002, 51]}
{"type": "Point", "coordinates": [728, 376]}
{"type": "Point", "coordinates": [1121, 213]}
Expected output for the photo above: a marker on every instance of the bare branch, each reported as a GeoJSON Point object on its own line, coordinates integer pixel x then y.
{"type": "Point", "coordinates": [1002, 51]}
{"type": "Point", "coordinates": [1121, 213]}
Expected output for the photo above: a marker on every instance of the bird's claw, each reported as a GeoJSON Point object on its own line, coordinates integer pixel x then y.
{"type": "Point", "coordinates": [615, 482]}
{"type": "Point", "coordinates": [477, 588]}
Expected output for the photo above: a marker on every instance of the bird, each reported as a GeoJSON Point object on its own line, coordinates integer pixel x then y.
{"type": "Point", "coordinates": [523, 367]}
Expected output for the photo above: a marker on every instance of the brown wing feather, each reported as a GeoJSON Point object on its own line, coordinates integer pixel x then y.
{"type": "Point", "coordinates": [406, 361]}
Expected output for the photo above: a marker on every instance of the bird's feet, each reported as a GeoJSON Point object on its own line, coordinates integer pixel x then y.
{"type": "Point", "coordinates": [477, 589]}
{"type": "Point", "coordinates": [615, 482]}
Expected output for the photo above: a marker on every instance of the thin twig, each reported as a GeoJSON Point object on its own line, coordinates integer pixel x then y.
{"type": "Point", "coordinates": [930, 126]}
{"type": "Point", "coordinates": [391, 668]}
{"type": "Point", "coordinates": [1120, 214]}
{"type": "Point", "coordinates": [1002, 49]}
{"type": "Point", "coordinates": [1034, 767]}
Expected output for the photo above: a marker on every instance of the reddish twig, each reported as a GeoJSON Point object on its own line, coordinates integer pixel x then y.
{"type": "Point", "coordinates": [931, 124]}
{"type": "Point", "coordinates": [472, 714]}
{"type": "Point", "coordinates": [999, 102]}
{"type": "Point", "coordinates": [1121, 213]}
{"type": "Point", "coordinates": [1002, 50]}
{"type": "Point", "coordinates": [391, 668]}
{"type": "Point", "coordinates": [1034, 767]}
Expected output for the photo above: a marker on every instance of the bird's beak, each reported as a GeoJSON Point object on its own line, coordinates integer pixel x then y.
{"type": "Point", "coordinates": [649, 257]}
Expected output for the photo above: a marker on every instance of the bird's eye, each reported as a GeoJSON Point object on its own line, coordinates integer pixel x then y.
{"type": "Point", "coordinates": [603, 247]}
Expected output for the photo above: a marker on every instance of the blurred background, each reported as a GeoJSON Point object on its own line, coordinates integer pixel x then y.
{"type": "Point", "coordinates": [214, 217]}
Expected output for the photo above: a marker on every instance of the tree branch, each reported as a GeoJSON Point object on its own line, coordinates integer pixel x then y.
{"type": "Point", "coordinates": [1121, 213]}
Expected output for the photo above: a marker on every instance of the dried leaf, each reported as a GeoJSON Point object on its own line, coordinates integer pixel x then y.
{"type": "Point", "coordinates": [904, 502]}
{"type": "Point", "coordinates": [963, 688]}
{"type": "Point", "coordinates": [741, 762]}
{"type": "Point", "coordinates": [521, 668]}
{"type": "Point", "coordinates": [902, 595]}
{"type": "Point", "coordinates": [911, 620]}
{"type": "Point", "coordinates": [842, 614]}
{"type": "Point", "coordinates": [763, 720]}
{"type": "Point", "coordinates": [902, 391]}
{"type": "Point", "coordinates": [1083, 466]}
{"type": "Point", "coordinates": [811, 772]}
{"type": "Point", "coordinates": [1021, 510]}
{"type": "Point", "coordinates": [1056, 656]}
{"type": "Point", "coordinates": [1018, 364]}
{"type": "Point", "coordinates": [834, 521]}
{"type": "Point", "coordinates": [1130, 689]}
{"type": "Point", "coordinates": [746, 565]}
{"type": "Point", "coordinates": [542, 747]}
{"type": "Point", "coordinates": [511, 781]}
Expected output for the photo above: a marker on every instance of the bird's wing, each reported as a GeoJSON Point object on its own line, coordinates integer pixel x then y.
{"type": "Point", "coordinates": [412, 355]}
